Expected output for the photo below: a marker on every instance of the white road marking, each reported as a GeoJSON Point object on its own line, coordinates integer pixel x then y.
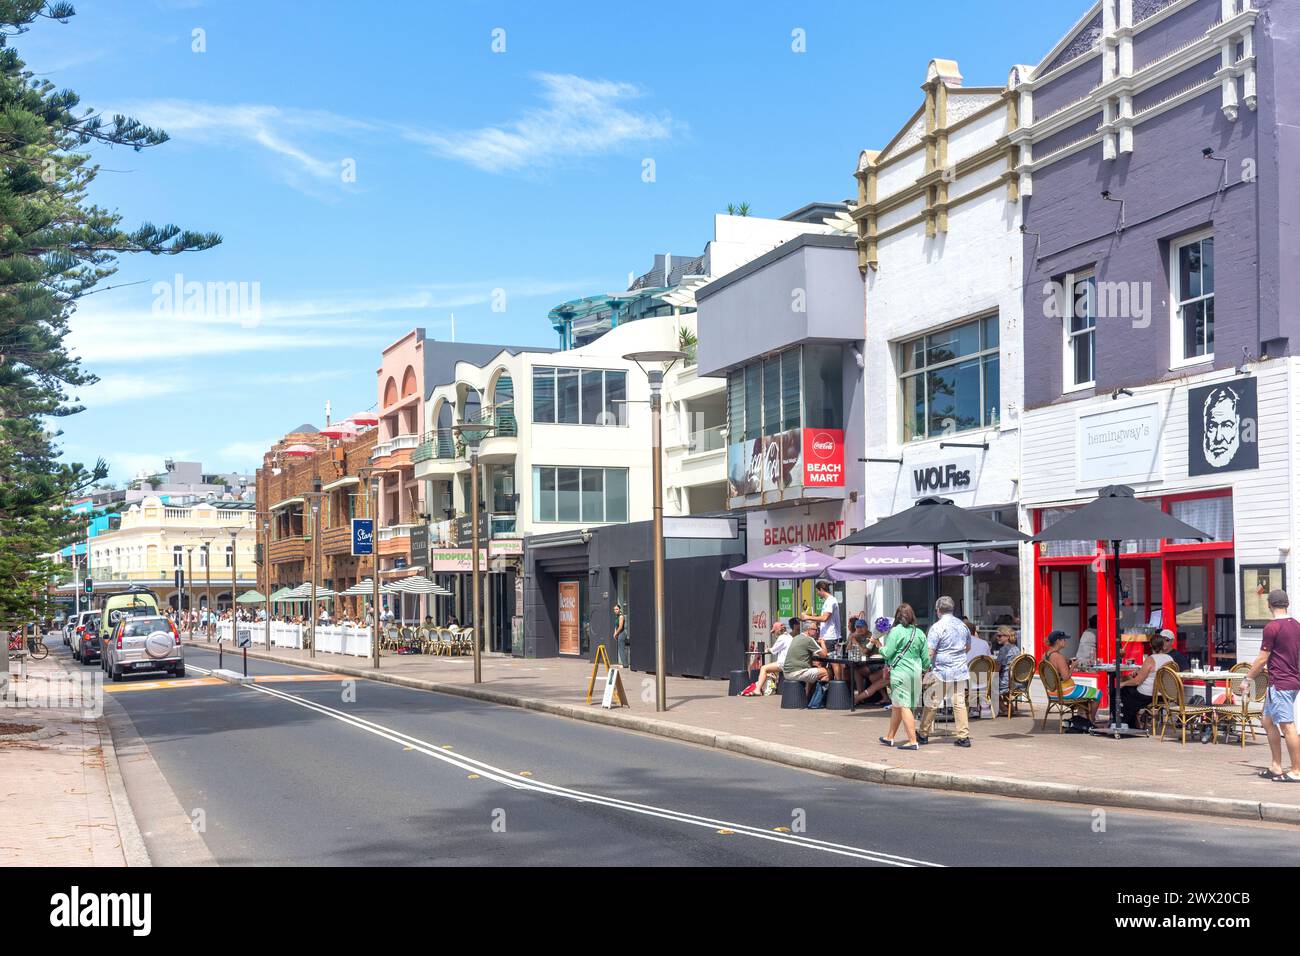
{"type": "Point", "coordinates": [516, 782]}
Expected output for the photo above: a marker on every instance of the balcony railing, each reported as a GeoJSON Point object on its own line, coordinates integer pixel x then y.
{"type": "Point", "coordinates": [709, 439]}
{"type": "Point", "coordinates": [396, 443]}
{"type": "Point", "coordinates": [395, 531]}
{"type": "Point", "coordinates": [438, 443]}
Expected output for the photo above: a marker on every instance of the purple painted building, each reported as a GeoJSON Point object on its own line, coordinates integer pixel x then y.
{"type": "Point", "coordinates": [1113, 129]}
{"type": "Point", "coordinates": [1159, 170]}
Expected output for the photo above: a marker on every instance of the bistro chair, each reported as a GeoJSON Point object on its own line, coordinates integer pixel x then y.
{"type": "Point", "coordinates": [1062, 708]}
{"type": "Point", "coordinates": [1177, 709]}
{"type": "Point", "coordinates": [983, 672]}
{"type": "Point", "coordinates": [465, 640]}
{"type": "Point", "coordinates": [1154, 713]}
{"type": "Point", "coordinates": [1022, 675]}
{"type": "Point", "coordinates": [1248, 713]}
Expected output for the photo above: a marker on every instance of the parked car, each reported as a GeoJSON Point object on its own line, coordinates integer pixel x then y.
{"type": "Point", "coordinates": [85, 623]}
{"type": "Point", "coordinates": [135, 601]}
{"type": "Point", "coordinates": [143, 643]}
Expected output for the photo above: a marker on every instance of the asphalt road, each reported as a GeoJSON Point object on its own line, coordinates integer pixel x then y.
{"type": "Point", "coordinates": [324, 771]}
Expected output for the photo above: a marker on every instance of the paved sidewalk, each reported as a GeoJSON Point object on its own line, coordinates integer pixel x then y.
{"type": "Point", "coordinates": [1012, 757]}
{"type": "Point", "coordinates": [54, 780]}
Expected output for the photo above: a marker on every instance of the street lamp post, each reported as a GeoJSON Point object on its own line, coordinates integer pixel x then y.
{"type": "Point", "coordinates": [207, 574]}
{"type": "Point", "coordinates": [473, 433]}
{"type": "Point", "coordinates": [371, 478]}
{"type": "Point", "coordinates": [655, 377]}
{"type": "Point", "coordinates": [313, 498]}
{"type": "Point", "coordinates": [266, 563]}
{"type": "Point", "coordinates": [234, 565]}
{"type": "Point", "coordinates": [189, 580]}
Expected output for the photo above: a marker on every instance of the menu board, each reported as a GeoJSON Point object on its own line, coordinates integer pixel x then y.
{"type": "Point", "coordinates": [569, 618]}
{"type": "Point", "coordinates": [1256, 581]}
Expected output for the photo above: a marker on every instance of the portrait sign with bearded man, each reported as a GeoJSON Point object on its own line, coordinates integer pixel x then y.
{"type": "Point", "coordinates": [1222, 426]}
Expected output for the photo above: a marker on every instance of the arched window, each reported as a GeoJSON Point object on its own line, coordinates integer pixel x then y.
{"type": "Point", "coordinates": [390, 392]}
{"type": "Point", "coordinates": [408, 382]}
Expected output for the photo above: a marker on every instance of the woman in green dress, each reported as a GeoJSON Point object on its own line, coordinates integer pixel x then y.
{"type": "Point", "coordinates": [908, 655]}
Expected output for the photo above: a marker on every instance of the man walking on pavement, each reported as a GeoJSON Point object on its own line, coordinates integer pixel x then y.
{"type": "Point", "coordinates": [1280, 653]}
{"type": "Point", "coordinates": [947, 638]}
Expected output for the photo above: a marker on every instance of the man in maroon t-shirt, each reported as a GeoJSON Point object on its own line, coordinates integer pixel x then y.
{"type": "Point", "coordinates": [1280, 653]}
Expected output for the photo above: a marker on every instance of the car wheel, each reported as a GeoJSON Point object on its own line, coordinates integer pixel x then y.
{"type": "Point", "coordinates": [115, 674]}
{"type": "Point", "coordinates": [179, 671]}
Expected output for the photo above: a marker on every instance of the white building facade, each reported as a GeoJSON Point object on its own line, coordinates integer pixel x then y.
{"type": "Point", "coordinates": [940, 244]}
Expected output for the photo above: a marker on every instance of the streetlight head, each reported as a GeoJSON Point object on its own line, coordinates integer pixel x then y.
{"type": "Point", "coordinates": [473, 432]}
{"type": "Point", "coordinates": [649, 357]}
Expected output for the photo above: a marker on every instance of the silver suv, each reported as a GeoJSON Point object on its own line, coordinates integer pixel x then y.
{"type": "Point", "coordinates": [144, 643]}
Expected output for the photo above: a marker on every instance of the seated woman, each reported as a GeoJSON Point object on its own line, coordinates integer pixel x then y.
{"type": "Point", "coordinates": [781, 638]}
{"type": "Point", "coordinates": [1006, 651]}
{"type": "Point", "coordinates": [1136, 690]}
{"type": "Point", "coordinates": [871, 677]}
{"type": "Point", "coordinates": [1070, 691]}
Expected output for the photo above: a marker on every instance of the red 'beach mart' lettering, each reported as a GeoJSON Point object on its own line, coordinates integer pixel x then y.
{"type": "Point", "coordinates": [823, 458]}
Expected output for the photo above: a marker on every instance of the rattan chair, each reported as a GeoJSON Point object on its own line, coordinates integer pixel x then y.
{"type": "Point", "coordinates": [1052, 684]}
{"type": "Point", "coordinates": [1176, 708]}
{"type": "Point", "coordinates": [1022, 675]}
{"type": "Point", "coordinates": [465, 640]}
{"type": "Point", "coordinates": [1248, 714]}
{"type": "Point", "coordinates": [984, 667]}
{"type": "Point", "coordinates": [1155, 711]}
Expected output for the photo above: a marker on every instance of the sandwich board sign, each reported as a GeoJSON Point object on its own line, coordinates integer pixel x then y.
{"type": "Point", "coordinates": [614, 687]}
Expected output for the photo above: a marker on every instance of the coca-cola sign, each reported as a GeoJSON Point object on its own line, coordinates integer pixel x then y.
{"type": "Point", "coordinates": [823, 458]}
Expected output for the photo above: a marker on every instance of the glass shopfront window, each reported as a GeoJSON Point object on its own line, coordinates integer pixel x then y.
{"type": "Point", "coordinates": [579, 494]}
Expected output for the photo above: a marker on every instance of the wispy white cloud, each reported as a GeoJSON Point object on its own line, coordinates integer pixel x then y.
{"type": "Point", "coordinates": [580, 118]}
{"type": "Point", "coordinates": [117, 389]}
{"type": "Point", "coordinates": [239, 454]}
{"type": "Point", "coordinates": [105, 332]}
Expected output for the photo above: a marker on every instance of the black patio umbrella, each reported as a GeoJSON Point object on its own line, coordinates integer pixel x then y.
{"type": "Point", "coordinates": [933, 521]}
{"type": "Point", "coordinates": [1117, 516]}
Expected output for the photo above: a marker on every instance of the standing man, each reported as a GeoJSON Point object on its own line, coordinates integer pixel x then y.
{"type": "Point", "coordinates": [1280, 653]}
{"type": "Point", "coordinates": [828, 624]}
{"type": "Point", "coordinates": [948, 638]}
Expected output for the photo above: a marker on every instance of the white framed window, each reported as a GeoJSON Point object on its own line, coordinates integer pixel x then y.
{"type": "Point", "coordinates": [950, 379]}
{"type": "Point", "coordinates": [230, 553]}
{"type": "Point", "coordinates": [1080, 330]}
{"type": "Point", "coordinates": [178, 556]}
{"type": "Point", "coordinates": [1191, 285]}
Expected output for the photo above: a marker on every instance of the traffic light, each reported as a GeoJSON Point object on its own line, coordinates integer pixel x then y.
{"type": "Point", "coordinates": [90, 586]}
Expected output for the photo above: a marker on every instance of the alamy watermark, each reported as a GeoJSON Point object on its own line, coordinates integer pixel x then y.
{"type": "Point", "coordinates": [238, 301]}
{"type": "Point", "coordinates": [1100, 300]}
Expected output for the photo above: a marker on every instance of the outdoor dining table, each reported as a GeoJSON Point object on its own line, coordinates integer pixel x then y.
{"type": "Point", "coordinates": [847, 662]}
{"type": "Point", "coordinates": [1208, 678]}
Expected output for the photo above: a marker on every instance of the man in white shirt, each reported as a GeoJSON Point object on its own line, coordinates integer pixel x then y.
{"type": "Point", "coordinates": [828, 624]}
{"type": "Point", "coordinates": [948, 639]}
{"type": "Point", "coordinates": [1086, 654]}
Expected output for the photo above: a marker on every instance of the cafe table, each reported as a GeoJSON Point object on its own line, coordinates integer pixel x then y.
{"type": "Point", "coordinates": [849, 664]}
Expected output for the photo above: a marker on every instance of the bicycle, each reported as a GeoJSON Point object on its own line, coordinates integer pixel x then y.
{"type": "Point", "coordinates": [35, 645]}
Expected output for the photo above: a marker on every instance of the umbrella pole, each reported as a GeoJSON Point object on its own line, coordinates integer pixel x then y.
{"type": "Point", "coordinates": [934, 581]}
{"type": "Point", "coordinates": [1119, 648]}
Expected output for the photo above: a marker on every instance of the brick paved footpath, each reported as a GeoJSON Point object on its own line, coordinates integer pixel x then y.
{"type": "Point", "coordinates": [1015, 749]}
{"type": "Point", "coordinates": [54, 782]}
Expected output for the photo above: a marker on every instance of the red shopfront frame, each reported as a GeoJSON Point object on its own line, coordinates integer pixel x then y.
{"type": "Point", "coordinates": [1200, 555]}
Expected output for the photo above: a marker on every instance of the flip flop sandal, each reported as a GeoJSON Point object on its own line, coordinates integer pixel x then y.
{"type": "Point", "coordinates": [1286, 778]}
{"type": "Point", "coordinates": [886, 741]}
{"type": "Point", "coordinates": [1268, 774]}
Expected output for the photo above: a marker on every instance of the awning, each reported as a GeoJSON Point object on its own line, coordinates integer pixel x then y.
{"type": "Point", "coordinates": [250, 597]}
{"type": "Point", "coordinates": [344, 482]}
{"type": "Point", "coordinates": [287, 502]}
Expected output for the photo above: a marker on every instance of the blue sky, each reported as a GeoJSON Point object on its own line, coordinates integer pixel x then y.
{"type": "Point", "coordinates": [475, 170]}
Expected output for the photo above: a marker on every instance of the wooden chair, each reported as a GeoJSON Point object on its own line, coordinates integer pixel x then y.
{"type": "Point", "coordinates": [1248, 713]}
{"type": "Point", "coordinates": [983, 673]}
{"type": "Point", "coordinates": [1052, 684]}
{"type": "Point", "coordinates": [1176, 708]}
{"type": "Point", "coordinates": [1022, 675]}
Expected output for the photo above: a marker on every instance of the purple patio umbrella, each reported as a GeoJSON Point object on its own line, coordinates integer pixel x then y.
{"type": "Point", "coordinates": [895, 562]}
{"type": "Point", "coordinates": [795, 563]}
{"type": "Point", "coordinates": [988, 560]}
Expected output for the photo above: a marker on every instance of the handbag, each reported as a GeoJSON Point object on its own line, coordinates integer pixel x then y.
{"type": "Point", "coordinates": [818, 699]}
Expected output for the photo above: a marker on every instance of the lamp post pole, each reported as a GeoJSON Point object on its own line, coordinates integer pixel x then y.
{"type": "Point", "coordinates": [266, 563]}
{"type": "Point", "coordinates": [372, 505]}
{"type": "Point", "coordinates": [314, 498]}
{"type": "Point", "coordinates": [189, 577]}
{"type": "Point", "coordinates": [234, 565]}
{"type": "Point", "coordinates": [207, 575]}
{"type": "Point", "coordinates": [655, 377]}
{"type": "Point", "coordinates": [473, 434]}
